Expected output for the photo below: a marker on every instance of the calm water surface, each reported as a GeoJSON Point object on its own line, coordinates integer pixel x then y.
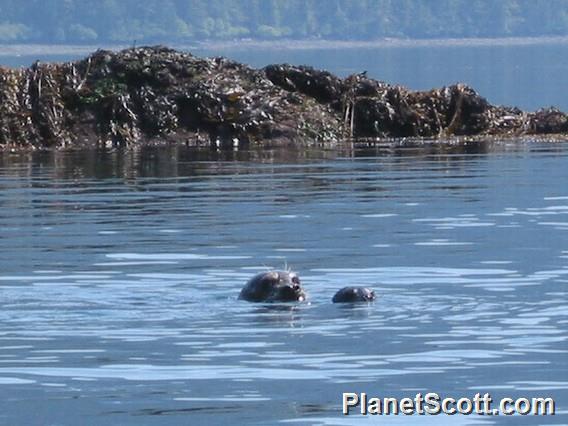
{"type": "Point", "coordinates": [120, 271]}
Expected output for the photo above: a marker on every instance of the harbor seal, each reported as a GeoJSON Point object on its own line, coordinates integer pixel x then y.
{"type": "Point", "coordinates": [354, 294]}
{"type": "Point", "coordinates": [273, 286]}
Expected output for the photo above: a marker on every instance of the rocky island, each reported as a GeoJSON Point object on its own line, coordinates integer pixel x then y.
{"type": "Point", "coordinates": [155, 94]}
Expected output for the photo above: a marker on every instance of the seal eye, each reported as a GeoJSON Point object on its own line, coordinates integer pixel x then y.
{"type": "Point", "coordinates": [296, 280]}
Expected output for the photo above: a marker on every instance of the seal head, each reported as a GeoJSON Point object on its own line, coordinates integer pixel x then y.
{"type": "Point", "coordinates": [273, 286]}
{"type": "Point", "coordinates": [353, 295]}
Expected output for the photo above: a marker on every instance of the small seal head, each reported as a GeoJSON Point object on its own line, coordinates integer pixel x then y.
{"type": "Point", "coordinates": [354, 294]}
{"type": "Point", "coordinates": [273, 286]}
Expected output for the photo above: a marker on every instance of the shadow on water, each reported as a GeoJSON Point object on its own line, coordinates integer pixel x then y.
{"type": "Point", "coordinates": [207, 409]}
{"type": "Point", "coordinates": [278, 314]}
{"type": "Point", "coordinates": [354, 311]}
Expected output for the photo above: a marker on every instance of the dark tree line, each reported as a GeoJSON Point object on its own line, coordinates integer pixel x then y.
{"type": "Point", "coordinates": [123, 21]}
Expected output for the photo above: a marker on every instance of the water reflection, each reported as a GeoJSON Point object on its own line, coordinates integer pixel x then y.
{"type": "Point", "coordinates": [278, 314]}
{"type": "Point", "coordinates": [174, 161]}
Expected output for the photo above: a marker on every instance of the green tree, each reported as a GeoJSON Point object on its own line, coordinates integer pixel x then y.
{"type": "Point", "coordinates": [164, 21]}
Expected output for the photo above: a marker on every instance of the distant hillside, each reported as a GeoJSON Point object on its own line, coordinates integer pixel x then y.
{"type": "Point", "coordinates": [151, 21]}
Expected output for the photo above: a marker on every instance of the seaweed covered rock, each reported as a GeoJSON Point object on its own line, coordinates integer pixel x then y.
{"type": "Point", "coordinates": [320, 85]}
{"type": "Point", "coordinates": [146, 94]}
{"type": "Point", "coordinates": [149, 94]}
{"type": "Point", "coordinates": [397, 112]}
{"type": "Point", "coordinates": [549, 120]}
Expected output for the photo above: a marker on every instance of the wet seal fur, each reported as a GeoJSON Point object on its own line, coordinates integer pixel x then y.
{"type": "Point", "coordinates": [354, 294]}
{"type": "Point", "coordinates": [273, 286]}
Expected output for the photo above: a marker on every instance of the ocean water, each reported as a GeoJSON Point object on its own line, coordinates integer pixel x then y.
{"type": "Point", "coordinates": [120, 272]}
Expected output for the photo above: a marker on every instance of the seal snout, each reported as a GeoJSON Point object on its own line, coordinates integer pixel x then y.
{"type": "Point", "coordinates": [293, 287]}
{"type": "Point", "coordinates": [295, 280]}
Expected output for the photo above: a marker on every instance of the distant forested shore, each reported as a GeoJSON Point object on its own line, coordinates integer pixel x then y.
{"type": "Point", "coordinates": [186, 21]}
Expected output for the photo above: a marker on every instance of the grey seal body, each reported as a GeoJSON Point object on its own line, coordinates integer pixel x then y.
{"type": "Point", "coordinates": [354, 294]}
{"type": "Point", "coordinates": [273, 286]}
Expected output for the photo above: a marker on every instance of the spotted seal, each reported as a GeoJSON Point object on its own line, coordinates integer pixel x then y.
{"type": "Point", "coordinates": [354, 294]}
{"type": "Point", "coordinates": [273, 286]}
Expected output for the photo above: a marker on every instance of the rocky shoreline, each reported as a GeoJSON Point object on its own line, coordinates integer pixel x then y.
{"type": "Point", "coordinates": [154, 94]}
